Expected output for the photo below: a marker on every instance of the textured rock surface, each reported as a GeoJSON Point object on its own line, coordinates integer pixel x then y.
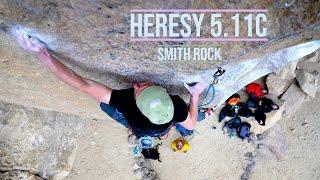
{"type": "Point", "coordinates": [301, 142]}
{"type": "Point", "coordinates": [288, 72]}
{"type": "Point", "coordinates": [97, 46]}
{"type": "Point", "coordinates": [314, 57]}
{"type": "Point", "coordinates": [36, 143]}
{"type": "Point", "coordinates": [308, 82]}
{"type": "Point", "coordinates": [311, 64]}
{"type": "Point", "coordinates": [277, 85]}
{"type": "Point", "coordinates": [92, 37]}
{"type": "Point", "coordinates": [17, 174]}
{"type": "Point", "coordinates": [294, 98]}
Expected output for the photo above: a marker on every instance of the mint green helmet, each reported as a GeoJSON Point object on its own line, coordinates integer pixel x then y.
{"type": "Point", "coordinates": [155, 103]}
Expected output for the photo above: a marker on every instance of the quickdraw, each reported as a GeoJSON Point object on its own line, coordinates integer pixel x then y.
{"type": "Point", "coordinates": [215, 81]}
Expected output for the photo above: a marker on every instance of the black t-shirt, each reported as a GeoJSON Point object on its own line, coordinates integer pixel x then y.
{"type": "Point", "coordinates": [124, 101]}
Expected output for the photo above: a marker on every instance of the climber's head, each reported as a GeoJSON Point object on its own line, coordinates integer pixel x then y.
{"type": "Point", "coordinates": [139, 87]}
{"type": "Point", "coordinates": [154, 102]}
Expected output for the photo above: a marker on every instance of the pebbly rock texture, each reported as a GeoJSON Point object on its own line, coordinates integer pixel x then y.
{"type": "Point", "coordinates": [288, 72]}
{"type": "Point", "coordinates": [294, 98]}
{"type": "Point", "coordinates": [308, 82]}
{"type": "Point", "coordinates": [276, 85]}
{"type": "Point", "coordinates": [92, 37]}
{"type": "Point", "coordinates": [19, 174]}
{"type": "Point", "coordinates": [311, 65]}
{"type": "Point", "coordinates": [314, 57]}
{"type": "Point", "coordinates": [37, 144]}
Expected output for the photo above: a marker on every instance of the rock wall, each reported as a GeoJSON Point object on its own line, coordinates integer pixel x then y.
{"type": "Point", "coordinates": [37, 144]}
{"type": "Point", "coordinates": [92, 37]}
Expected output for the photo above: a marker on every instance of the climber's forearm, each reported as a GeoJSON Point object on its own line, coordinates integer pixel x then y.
{"type": "Point", "coordinates": [195, 92]}
{"type": "Point", "coordinates": [191, 120]}
{"type": "Point", "coordinates": [61, 71]}
{"type": "Point", "coordinates": [193, 108]}
{"type": "Point", "coordinates": [90, 87]}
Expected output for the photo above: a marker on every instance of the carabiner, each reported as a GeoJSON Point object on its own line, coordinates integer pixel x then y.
{"type": "Point", "coordinates": [218, 73]}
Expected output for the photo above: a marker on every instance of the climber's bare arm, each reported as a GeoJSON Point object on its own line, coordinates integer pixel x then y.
{"type": "Point", "coordinates": [92, 88]}
{"type": "Point", "coordinates": [195, 92]}
{"type": "Point", "coordinates": [191, 120]}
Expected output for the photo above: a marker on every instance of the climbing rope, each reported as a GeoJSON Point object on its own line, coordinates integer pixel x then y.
{"type": "Point", "coordinates": [146, 142]}
{"type": "Point", "coordinates": [215, 81]}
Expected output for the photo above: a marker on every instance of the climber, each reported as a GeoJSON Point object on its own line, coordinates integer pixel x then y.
{"type": "Point", "coordinates": [147, 109]}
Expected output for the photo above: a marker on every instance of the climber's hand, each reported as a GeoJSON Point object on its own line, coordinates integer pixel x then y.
{"type": "Point", "coordinates": [30, 44]}
{"type": "Point", "coordinates": [196, 89]}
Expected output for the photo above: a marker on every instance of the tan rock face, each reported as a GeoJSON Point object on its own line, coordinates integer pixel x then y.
{"type": "Point", "coordinates": [41, 143]}
{"type": "Point", "coordinates": [294, 98]}
{"type": "Point", "coordinates": [314, 57]}
{"type": "Point", "coordinates": [276, 85]}
{"type": "Point", "coordinates": [308, 82]}
{"type": "Point", "coordinates": [287, 72]}
{"type": "Point", "coordinates": [19, 175]}
{"type": "Point", "coordinates": [311, 65]}
{"type": "Point", "coordinates": [92, 37]}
